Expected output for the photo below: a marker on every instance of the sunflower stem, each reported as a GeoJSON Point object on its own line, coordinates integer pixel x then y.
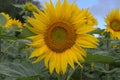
{"type": "Point", "coordinates": [60, 77]}
{"type": "Point", "coordinates": [107, 65]}
{"type": "Point", "coordinates": [107, 74]}
{"type": "Point", "coordinates": [69, 76]}
{"type": "Point", "coordinates": [81, 72]}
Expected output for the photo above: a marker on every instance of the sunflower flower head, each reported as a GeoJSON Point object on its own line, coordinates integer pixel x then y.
{"type": "Point", "coordinates": [14, 22]}
{"type": "Point", "coordinates": [11, 22]}
{"type": "Point", "coordinates": [29, 6]}
{"type": "Point", "coordinates": [113, 23]}
{"type": "Point", "coordinates": [60, 36]}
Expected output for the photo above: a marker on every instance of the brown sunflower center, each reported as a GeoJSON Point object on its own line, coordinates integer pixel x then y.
{"type": "Point", "coordinates": [60, 37]}
{"type": "Point", "coordinates": [115, 25]}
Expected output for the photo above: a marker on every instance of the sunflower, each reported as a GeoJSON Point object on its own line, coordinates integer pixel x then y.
{"type": "Point", "coordinates": [113, 23]}
{"type": "Point", "coordinates": [11, 22]}
{"type": "Point", "coordinates": [29, 6]}
{"type": "Point", "coordinates": [14, 22]}
{"type": "Point", "coordinates": [60, 36]}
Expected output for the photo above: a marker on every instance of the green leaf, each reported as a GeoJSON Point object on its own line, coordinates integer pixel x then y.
{"type": "Point", "coordinates": [18, 5]}
{"type": "Point", "coordinates": [8, 71]}
{"type": "Point", "coordinates": [1, 30]}
{"type": "Point", "coordinates": [25, 69]}
{"type": "Point", "coordinates": [2, 20]}
{"type": "Point", "coordinates": [25, 33]}
{"type": "Point", "coordinates": [8, 37]}
{"type": "Point", "coordinates": [99, 58]}
{"type": "Point", "coordinates": [28, 78]}
{"type": "Point", "coordinates": [97, 31]}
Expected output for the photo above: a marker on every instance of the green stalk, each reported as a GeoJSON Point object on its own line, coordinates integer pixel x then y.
{"type": "Point", "coordinates": [60, 77]}
{"type": "Point", "coordinates": [107, 74]}
{"type": "Point", "coordinates": [81, 73]}
{"type": "Point", "coordinates": [107, 65]}
{"type": "Point", "coordinates": [69, 76]}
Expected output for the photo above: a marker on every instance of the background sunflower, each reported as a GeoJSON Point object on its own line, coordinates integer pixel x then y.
{"type": "Point", "coordinates": [113, 23]}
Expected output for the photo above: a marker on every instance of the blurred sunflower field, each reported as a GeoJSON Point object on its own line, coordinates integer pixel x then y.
{"type": "Point", "coordinates": [57, 42]}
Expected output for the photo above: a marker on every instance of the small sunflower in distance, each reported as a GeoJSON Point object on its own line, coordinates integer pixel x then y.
{"type": "Point", "coordinates": [11, 22]}
{"type": "Point", "coordinates": [113, 23]}
{"type": "Point", "coordinates": [60, 36]}
{"type": "Point", "coordinates": [29, 6]}
{"type": "Point", "coordinates": [14, 22]}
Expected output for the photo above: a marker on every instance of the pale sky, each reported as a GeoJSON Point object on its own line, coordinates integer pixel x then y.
{"type": "Point", "coordinates": [98, 8]}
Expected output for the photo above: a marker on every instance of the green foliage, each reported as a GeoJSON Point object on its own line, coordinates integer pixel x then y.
{"type": "Point", "coordinates": [25, 33]}
{"type": "Point", "coordinates": [7, 7]}
{"type": "Point", "coordinates": [102, 63]}
{"type": "Point", "coordinates": [23, 69]}
{"type": "Point", "coordinates": [2, 20]}
{"type": "Point", "coordinates": [99, 58]}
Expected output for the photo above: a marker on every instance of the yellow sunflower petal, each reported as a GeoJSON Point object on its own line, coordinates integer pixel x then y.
{"type": "Point", "coordinates": [52, 63]}
{"type": "Point", "coordinates": [80, 50]}
{"type": "Point", "coordinates": [36, 37]}
{"type": "Point", "coordinates": [38, 43]}
{"type": "Point", "coordinates": [39, 59]}
{"type": "Point", "coordinates": [63, 62]}
{"type": "Point", "coordinates": [75, 58]}
{"type": "Point", "coordinates": [70, 59]}
{"type": "Point", "coordinates": [85, 29]}
{"type": "Point", "coordinates": [47, 58]}
{"type": "Point", "coordinates": [86, 41]}
{"type": "Point", "coordinates": [51, 10]}
{"type": "Point", "coordinates": [58, 63]}
{"type": "Point", "coordinates": [38, 52]}
{"type": "Point", "coordinates": [57, 9]}
{"type": "Point", "coordinates": [78, 53]}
